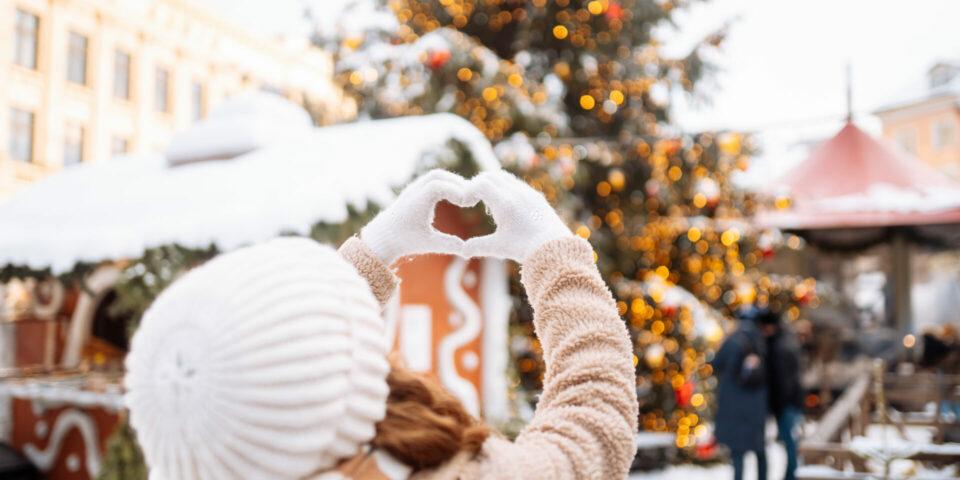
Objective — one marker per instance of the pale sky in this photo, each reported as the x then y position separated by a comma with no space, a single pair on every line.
785,60
782,65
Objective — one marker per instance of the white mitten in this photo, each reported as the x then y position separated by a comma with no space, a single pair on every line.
524,218
406,226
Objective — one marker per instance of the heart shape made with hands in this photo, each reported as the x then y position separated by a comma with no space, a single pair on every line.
464,196
522,217
463,222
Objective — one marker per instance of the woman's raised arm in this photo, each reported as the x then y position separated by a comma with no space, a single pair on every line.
586,420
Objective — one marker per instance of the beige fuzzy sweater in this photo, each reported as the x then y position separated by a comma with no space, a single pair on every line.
585,421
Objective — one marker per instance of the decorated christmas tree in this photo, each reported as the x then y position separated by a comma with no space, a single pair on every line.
576,95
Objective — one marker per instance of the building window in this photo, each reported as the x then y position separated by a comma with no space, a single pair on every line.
907,139
942,73
118,146
77,59
21,135
161,90
121,75
944,134
25,39
196,100
73,145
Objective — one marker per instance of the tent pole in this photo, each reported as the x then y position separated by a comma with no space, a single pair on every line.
903,304
8,359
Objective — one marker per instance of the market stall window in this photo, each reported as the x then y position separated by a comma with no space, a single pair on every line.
108,343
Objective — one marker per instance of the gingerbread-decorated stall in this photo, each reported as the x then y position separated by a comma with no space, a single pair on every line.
72,245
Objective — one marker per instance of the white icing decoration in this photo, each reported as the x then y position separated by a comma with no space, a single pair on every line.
470,361
416,337
73,462
96,286
460,387
496,302
69,419
470,279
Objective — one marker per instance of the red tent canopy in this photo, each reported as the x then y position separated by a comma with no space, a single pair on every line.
854,181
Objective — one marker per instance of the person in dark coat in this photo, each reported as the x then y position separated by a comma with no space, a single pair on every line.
786,392
742,403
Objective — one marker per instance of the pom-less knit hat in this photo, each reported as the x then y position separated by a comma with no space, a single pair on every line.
266,362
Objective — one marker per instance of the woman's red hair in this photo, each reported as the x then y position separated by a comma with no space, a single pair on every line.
425,425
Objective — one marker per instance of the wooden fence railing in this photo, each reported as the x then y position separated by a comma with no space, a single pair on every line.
858,407
914,392
847,418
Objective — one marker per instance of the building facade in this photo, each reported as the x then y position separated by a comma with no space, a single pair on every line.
925,120
86,80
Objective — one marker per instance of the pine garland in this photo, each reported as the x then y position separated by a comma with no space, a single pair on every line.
123,459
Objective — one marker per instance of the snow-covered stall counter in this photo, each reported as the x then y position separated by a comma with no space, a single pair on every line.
78,244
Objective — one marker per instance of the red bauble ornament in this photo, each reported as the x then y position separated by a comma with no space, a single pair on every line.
684,393
438,58
671,302
652,189
614,11
707,450
534,160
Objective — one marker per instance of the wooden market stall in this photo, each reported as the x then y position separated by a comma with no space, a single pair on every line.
854,192
851,195
254,169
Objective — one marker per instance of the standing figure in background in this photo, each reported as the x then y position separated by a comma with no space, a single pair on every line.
742,404
941,354
786,393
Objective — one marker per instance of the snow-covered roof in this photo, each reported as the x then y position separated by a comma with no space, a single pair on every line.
118,208
925,88
854,180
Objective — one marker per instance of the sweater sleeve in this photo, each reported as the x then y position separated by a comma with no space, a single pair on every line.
382,281
586,419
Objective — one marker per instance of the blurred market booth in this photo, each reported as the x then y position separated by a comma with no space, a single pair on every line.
885,229
83,252
884,232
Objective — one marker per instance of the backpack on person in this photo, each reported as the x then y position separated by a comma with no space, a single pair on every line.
753,368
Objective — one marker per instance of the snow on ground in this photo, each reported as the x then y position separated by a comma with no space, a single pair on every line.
776,465
777,459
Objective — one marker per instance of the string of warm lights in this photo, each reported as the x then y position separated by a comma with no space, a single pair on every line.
585,85
674,240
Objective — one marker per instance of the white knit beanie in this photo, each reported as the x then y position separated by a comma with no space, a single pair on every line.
266,362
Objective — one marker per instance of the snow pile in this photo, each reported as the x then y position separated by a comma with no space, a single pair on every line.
517,150
776,464
379,59
402,75
646,440
241,124
920,89
883,449
707,322
113,210
881,197
349,18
